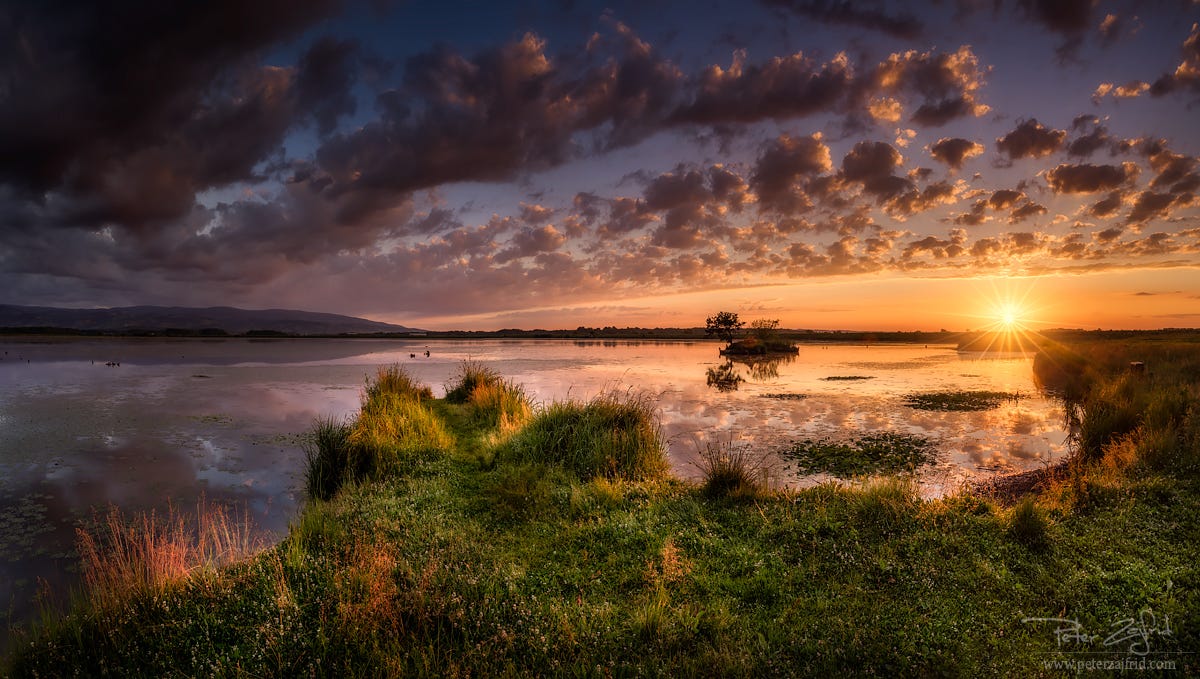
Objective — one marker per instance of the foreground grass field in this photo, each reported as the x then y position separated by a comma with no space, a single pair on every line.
478,536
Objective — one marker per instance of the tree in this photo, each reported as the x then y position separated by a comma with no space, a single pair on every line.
766,331
724,325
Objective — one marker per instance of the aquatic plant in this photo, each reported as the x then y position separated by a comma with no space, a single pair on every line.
959,400
886,452
847,378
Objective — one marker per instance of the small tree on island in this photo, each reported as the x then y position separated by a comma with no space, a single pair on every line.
724,325
765,330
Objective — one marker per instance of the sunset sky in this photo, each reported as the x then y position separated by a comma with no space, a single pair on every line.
832,164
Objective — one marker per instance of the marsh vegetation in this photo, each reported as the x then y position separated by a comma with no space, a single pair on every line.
562,546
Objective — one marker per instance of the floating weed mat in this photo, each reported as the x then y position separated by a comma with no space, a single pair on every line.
785,397
847,378
960,400
881,452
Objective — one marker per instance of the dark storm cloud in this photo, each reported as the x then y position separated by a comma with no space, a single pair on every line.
857,14
326,74
1087,178
504,111
1030,139
954,151
125,110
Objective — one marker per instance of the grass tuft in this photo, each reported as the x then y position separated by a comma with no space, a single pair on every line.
492,401
1029,526
615,435
326,457
732,471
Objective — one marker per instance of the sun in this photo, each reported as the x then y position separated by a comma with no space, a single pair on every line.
1010,316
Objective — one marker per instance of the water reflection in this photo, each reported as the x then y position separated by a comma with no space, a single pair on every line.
723,377
727,377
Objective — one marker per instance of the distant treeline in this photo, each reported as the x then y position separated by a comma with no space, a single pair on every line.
962,339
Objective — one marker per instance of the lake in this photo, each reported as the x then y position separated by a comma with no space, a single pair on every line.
180,419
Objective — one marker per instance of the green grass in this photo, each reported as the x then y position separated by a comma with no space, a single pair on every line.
614,434
547,563
880,452
491,401
959,400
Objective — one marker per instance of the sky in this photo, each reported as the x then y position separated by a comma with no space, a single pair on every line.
827,163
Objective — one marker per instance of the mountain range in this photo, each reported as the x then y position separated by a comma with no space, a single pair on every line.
209,320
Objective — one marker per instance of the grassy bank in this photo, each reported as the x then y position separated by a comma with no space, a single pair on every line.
477,535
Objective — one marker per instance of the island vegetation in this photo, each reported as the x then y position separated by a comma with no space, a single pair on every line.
480,534
763,340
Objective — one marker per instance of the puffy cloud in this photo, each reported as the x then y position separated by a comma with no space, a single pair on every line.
1186,75
844,13
782,170
954,151
1108,206
947,83
1087,178
783,87
1030,139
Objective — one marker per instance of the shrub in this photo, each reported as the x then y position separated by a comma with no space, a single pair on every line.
613,435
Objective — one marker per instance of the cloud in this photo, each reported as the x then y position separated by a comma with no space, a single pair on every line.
1030,139
947,83
954,151
1087,178
128,130
1069,18
782,87
782,170
1185,77
844,13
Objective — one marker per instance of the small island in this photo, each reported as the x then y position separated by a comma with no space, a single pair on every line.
763,338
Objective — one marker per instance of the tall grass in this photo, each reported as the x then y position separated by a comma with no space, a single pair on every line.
616,435
326,456
122,559
394,429
1153,412
393,379
731,470
493,402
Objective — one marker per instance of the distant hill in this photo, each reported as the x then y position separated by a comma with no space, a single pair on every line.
187,320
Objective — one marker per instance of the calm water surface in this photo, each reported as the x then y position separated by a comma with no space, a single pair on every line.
183,418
